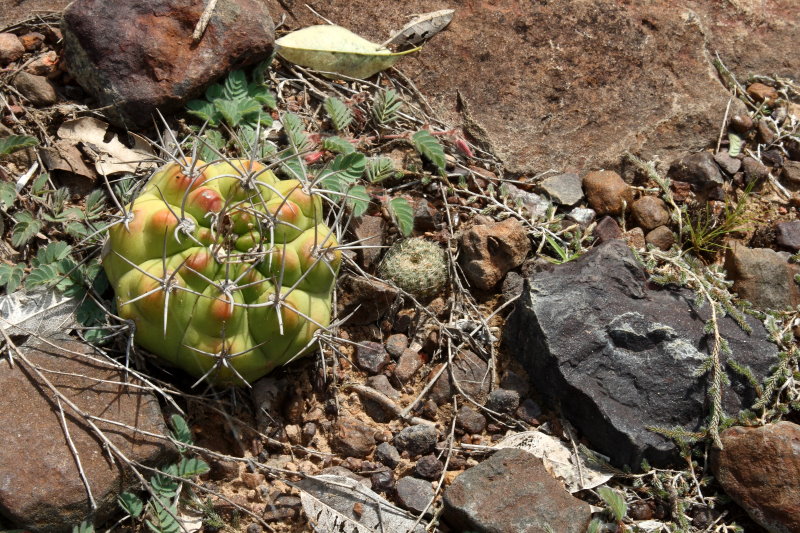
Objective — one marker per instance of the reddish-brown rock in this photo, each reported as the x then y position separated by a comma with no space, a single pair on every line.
11,48
40,485
762,93
353,438
512,491
607,192
661,237
489,251
575,83
650,212
759,468
138,55
763,276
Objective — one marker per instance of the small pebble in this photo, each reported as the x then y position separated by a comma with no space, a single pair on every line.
470,420
382,480
503,401
371,357
11,48
416,440
413,493
395,344
387,454
429,467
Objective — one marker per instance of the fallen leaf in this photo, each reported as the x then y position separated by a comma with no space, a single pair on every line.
64,155
421,28
40,313
112,154
330,48
558,459
337,503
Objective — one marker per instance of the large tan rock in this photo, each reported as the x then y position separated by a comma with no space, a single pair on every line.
578,82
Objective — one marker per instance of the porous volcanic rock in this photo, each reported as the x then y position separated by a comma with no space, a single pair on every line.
759,468
512,491
620,355
40,484
576,83
137,56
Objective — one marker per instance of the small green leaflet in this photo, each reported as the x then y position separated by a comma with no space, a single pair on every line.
379,168
12,143
26,227
191,466
427,145
8,194
235,86
331,48
338,145
386,106
11,276
205,111
163,485
615,502
735,144
293,126
163,514
403,215
341,116
343,171
83,527
358,200
130,503
180,429
210,145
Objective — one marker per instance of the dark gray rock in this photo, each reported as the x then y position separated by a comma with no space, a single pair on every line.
414,494
382,480
729,164
371,357
564,189
512,286
529,412
699,169
387,454
469,371
417,440
37,89
364,300
512,491
513,381
788,235
369,231
582,216
470,420
429,467
381,384
395,344
503,401
137,56
620,356
607,229
754,170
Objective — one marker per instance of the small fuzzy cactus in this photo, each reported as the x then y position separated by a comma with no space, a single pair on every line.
417,266
226,271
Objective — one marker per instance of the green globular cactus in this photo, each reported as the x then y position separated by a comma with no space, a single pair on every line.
417,266
226,271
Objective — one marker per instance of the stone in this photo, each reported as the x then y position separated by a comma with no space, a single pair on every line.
563,189
40,485
371,357
635,238
662,238
369,231
44,65
413,493
582,216
396,344
381,384
762,93
470,420
503,401
429,467
607,192
534,204
515,382
408,364
11,48
352,438
773,158
512,491
37,89
268,394
512,286
741,122
606,230
529,412
754,170
419,439
584,82
788,235
763,276
222,470
488,252
364,300
471,374
759,468
619,354
764,132
650,212
382,480
791,174
31,41
151,62
426,217
387,454
699,169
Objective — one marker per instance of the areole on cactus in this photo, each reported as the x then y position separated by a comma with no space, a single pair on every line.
226,271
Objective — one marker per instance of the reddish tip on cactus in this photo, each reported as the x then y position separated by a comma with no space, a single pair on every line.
226,271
